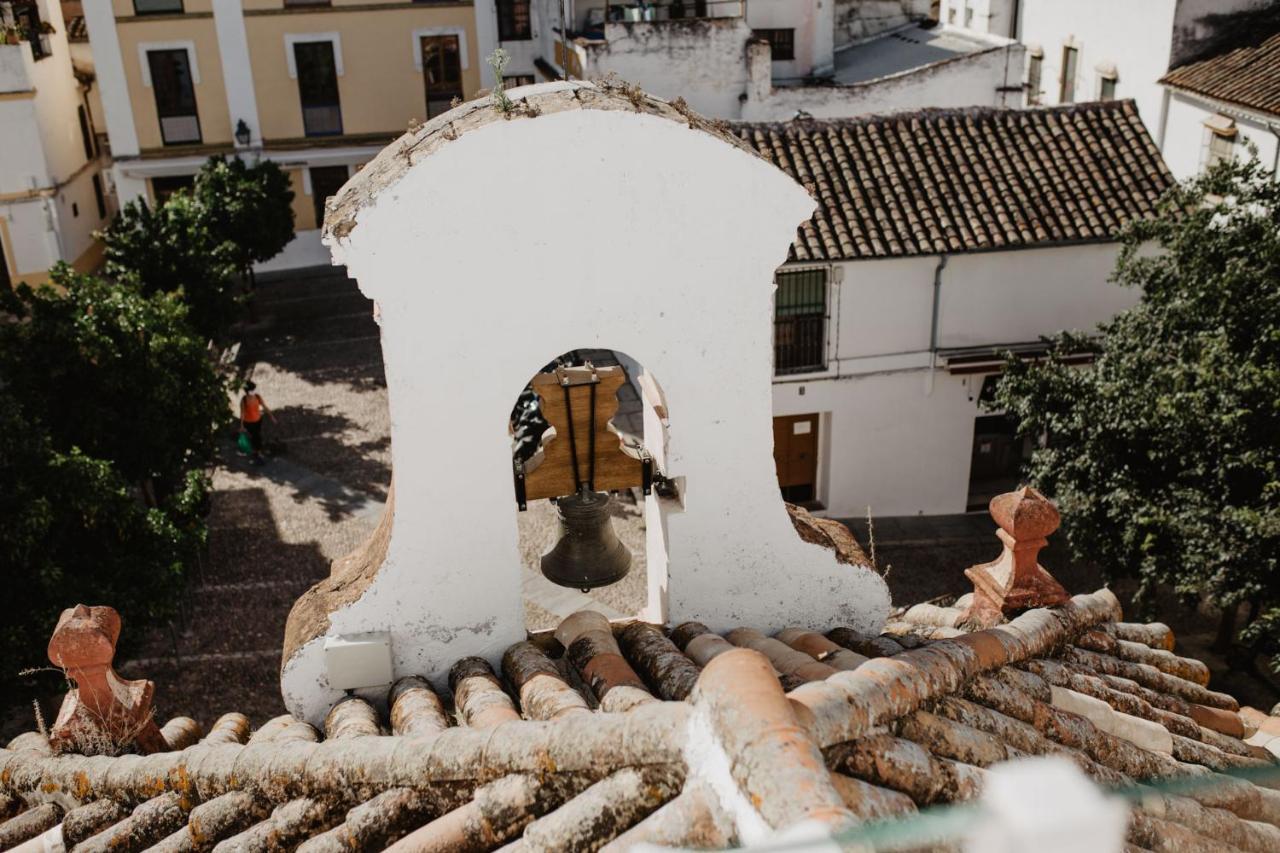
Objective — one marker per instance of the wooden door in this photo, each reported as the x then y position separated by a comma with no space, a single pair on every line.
795,452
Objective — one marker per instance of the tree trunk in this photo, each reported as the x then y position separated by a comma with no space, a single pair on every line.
1226,629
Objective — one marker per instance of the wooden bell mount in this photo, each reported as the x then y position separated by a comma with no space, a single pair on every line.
585,451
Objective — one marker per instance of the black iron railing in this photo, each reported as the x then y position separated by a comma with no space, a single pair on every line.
800,322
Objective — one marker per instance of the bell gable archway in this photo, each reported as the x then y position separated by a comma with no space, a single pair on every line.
590,216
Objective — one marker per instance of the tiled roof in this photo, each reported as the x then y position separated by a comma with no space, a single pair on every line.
1245,71
593,735
936,181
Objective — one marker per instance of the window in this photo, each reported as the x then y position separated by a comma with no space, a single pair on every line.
441,72
1220,143
968,16
157,7
86,134
1106,88
175,95
800,322
325,182
1067,92
513,80
318,88
1034,67
783,43
513,20
162,188
26,17
5,280
99,196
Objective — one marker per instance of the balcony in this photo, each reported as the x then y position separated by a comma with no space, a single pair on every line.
20,22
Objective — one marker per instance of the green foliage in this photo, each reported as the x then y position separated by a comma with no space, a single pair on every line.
1165,456
115,373
248,209
72,530
195,244
174,249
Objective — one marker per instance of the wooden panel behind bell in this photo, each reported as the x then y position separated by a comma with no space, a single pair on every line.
549,474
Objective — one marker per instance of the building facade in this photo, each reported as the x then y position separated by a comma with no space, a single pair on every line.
318,87
1095,50
1226,104
943,240
53,196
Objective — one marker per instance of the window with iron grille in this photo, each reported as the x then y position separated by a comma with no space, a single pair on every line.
1222,146
318,88
175,96
800,322
1034,67
782,43
513,80
325,182
513,20
1106,88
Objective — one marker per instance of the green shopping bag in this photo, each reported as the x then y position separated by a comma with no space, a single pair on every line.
243,442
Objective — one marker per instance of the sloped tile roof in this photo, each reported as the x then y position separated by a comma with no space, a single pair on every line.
1245,71
935,181
588,737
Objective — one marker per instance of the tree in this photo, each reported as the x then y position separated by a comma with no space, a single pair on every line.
248,208
1165,455
115,373
72,530
174,249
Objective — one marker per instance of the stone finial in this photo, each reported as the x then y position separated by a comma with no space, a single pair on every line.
1015,581
103,713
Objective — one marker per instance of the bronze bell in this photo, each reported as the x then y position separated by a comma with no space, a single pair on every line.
589,553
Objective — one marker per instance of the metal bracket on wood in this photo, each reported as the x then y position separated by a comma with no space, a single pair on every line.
517,473
646,471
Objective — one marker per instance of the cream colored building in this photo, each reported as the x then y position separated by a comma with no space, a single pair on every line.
52,191
319,87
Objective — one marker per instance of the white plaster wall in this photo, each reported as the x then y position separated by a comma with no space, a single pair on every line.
237,70
687,294
33,244
23,166
814,25
995,17
57,96
1186,138
899,440
893,444
1008,297
856,20
972,80
702,61
108,66
77,212
1135,37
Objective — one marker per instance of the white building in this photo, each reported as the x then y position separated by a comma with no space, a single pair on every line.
52,191
1218,106
764,61
1089,50
943,239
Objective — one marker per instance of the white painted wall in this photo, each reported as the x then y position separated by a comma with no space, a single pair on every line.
900,434
237,70
814,25
687,295
108,65
702,61
972,80
856,20
1186,139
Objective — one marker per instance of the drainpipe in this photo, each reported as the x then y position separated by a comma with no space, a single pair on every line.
933,324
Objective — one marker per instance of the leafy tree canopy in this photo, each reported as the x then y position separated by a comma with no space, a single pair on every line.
115,373
72,530
1165,455
248,207
174,249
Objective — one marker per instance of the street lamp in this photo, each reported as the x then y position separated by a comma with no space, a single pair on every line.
242,133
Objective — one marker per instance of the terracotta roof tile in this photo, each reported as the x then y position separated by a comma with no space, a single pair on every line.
960,181
1244,69
875,726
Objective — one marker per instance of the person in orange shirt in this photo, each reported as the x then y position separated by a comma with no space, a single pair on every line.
252,408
